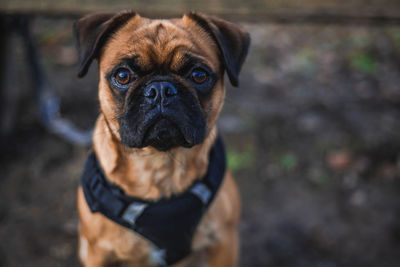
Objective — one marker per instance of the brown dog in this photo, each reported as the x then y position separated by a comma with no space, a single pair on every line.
161,90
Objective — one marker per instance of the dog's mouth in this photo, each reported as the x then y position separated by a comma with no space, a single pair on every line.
177,123
164,134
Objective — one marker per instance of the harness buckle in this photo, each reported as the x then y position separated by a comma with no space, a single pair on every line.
133,211
201,191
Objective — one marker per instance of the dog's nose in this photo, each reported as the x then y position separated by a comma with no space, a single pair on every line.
157,92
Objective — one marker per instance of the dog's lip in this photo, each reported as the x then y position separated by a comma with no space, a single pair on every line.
158,118
189,138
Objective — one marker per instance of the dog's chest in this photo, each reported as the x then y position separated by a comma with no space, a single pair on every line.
205,237
142,252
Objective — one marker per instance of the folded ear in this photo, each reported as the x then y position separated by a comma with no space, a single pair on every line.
91,33
233,42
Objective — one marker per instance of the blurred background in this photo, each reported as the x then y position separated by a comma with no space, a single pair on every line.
312,133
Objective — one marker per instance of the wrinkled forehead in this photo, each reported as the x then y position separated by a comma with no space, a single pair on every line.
160,43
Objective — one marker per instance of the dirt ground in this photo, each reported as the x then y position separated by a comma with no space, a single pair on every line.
312,135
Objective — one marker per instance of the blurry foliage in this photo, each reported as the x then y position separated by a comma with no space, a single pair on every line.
239,160
394,34
363,62
319,177
289,161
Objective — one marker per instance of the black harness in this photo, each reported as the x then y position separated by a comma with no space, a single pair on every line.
169,223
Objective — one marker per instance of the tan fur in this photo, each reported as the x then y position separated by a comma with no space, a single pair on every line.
148,173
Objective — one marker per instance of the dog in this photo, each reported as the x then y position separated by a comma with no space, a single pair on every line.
144,199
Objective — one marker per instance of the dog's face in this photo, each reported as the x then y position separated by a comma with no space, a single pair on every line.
161,81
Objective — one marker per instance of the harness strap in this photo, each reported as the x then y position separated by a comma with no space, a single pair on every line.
169,223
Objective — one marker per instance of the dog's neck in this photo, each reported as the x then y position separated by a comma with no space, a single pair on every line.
147,173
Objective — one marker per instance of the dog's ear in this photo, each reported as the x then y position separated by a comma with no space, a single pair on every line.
91,33
233,42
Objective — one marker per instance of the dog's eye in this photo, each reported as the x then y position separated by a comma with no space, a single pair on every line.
199,76
123,76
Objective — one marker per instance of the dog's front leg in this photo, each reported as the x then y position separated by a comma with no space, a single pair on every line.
225,252
92,256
